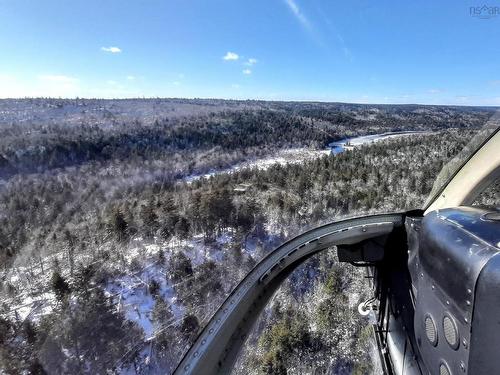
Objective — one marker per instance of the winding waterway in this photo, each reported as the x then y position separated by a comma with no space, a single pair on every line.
349,143
300,155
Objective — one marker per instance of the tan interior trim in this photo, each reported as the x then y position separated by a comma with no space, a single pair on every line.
482,169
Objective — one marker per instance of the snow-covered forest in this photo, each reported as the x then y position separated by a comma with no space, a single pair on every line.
113,257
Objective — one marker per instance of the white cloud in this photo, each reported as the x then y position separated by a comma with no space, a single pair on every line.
297,13
435,91
251,61
247,71
111,49
176,83
130,78
231,56
111,82
235,86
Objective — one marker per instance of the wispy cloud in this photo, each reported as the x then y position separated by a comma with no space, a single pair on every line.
130,78
247,71
435,91
176,83
231,56
306,24
298,13
251,61
111,49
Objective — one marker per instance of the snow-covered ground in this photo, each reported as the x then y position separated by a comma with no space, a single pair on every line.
289,156
301,155
349,143
132,296
129,290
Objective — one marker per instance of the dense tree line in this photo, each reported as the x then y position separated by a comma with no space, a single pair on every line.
35,148
66,227
74,213
74,136
82,334
317,331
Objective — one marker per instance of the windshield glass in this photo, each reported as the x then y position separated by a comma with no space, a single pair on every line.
459,159
152,154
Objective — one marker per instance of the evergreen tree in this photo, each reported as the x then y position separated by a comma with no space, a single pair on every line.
60,286
118,225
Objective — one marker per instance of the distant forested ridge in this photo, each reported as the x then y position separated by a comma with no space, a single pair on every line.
41,134
101,232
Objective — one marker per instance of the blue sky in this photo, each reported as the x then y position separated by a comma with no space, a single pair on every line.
369,51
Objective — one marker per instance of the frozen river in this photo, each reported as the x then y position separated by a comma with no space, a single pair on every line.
349,143
301,155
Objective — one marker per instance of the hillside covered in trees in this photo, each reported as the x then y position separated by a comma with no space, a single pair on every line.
112,260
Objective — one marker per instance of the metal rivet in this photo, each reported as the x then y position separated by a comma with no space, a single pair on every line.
468,303
433,287
462,366
469,291
464,343
211,330
203,342
186,367
195,354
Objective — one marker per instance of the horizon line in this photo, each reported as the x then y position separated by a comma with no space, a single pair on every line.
249,100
